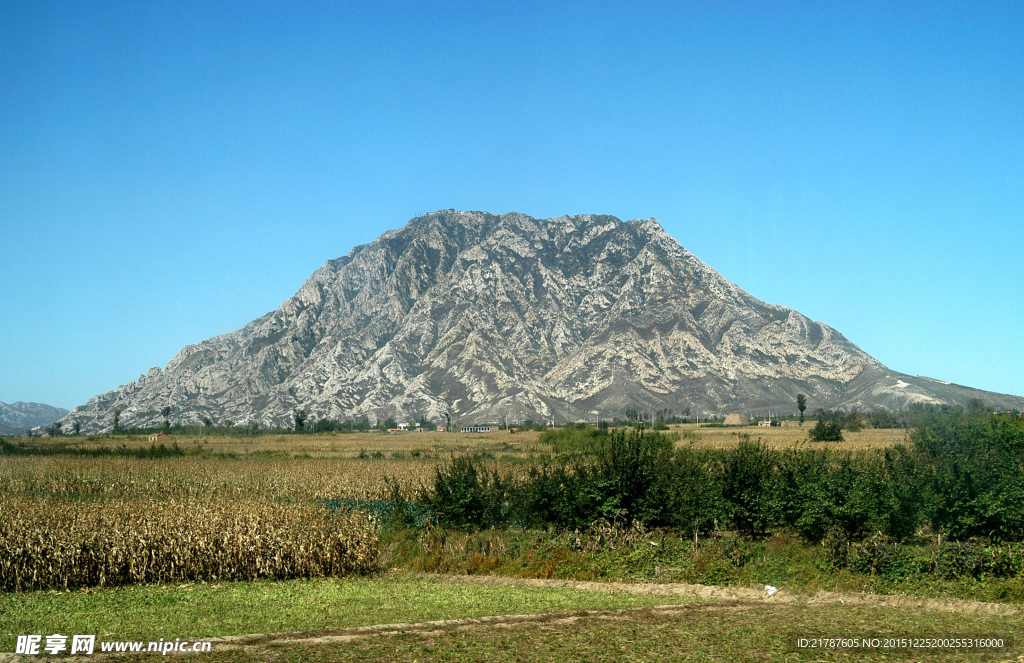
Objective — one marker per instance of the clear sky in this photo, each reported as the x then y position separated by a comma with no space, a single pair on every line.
170,171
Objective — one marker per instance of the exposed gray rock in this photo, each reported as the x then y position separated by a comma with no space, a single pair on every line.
485,316
15,418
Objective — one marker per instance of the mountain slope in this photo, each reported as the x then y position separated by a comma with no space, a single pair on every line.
15,418
484,315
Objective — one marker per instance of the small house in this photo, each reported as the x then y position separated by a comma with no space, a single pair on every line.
159,437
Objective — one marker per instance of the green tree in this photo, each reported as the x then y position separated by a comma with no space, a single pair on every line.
300,420
977,408
76,427
117,419
801,404
165,412
829,427
207,422
853,421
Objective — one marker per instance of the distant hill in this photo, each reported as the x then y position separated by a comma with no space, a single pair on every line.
17,417
482,316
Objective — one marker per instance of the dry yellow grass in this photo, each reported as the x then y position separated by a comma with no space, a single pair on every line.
47,543
336,445
198,477
782,437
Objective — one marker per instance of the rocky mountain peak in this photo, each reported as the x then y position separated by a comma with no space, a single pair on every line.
481,315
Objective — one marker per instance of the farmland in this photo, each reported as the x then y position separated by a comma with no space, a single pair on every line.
432,444
304,530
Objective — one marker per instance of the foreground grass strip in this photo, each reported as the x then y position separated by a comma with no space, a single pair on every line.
742,631
148,612
734,593
615,554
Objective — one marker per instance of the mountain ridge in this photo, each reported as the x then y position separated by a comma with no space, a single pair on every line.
482,315
16,417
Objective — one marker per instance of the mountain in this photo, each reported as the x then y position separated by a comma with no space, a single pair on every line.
484,316
17,417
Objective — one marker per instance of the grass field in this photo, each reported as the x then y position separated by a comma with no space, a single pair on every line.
716,632
238,472
532,623
330,445
328,465
201,610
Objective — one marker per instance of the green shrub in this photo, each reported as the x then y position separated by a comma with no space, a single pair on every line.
883,557
829,427
466,496
972,474
748,488
581,439
962,478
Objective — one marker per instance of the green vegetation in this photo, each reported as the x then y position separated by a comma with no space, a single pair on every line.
57,449
959,478
938,516
729,632
829,427
205,610
610,552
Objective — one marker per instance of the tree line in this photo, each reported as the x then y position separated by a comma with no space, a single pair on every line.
960,476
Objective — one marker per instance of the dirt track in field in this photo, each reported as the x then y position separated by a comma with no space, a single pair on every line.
722,593
437,628
705,598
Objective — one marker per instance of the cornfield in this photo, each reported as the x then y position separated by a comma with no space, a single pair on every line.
52,543
71,521
207,478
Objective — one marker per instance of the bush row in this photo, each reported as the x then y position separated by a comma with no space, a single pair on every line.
962,476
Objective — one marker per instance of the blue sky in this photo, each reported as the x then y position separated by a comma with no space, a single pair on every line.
170,171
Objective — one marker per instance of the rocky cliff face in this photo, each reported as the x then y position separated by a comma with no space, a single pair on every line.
484,316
